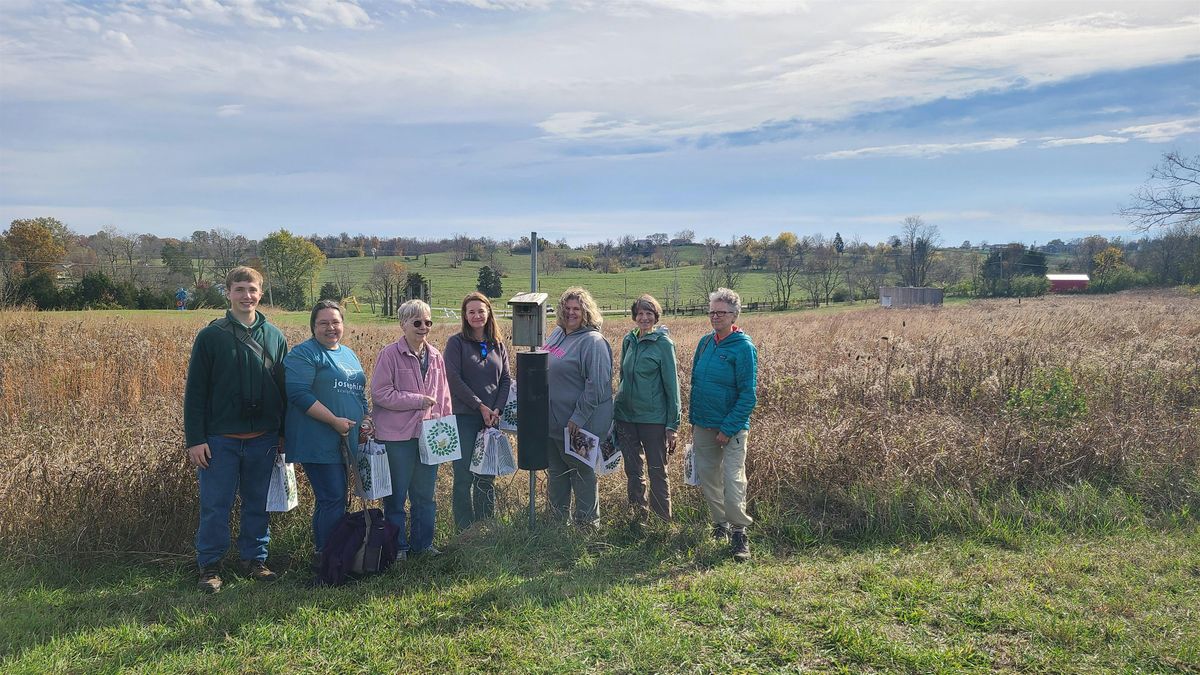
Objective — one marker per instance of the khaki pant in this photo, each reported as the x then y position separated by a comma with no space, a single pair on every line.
650,440
722,471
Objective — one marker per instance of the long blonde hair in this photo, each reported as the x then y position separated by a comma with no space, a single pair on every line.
592,318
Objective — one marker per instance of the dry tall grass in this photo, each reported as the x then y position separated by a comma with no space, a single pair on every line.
875,401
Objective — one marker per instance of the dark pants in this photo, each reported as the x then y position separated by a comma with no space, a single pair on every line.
328,483
566,475
474,494
642,446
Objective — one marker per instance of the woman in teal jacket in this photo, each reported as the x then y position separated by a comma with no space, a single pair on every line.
724,381
647,408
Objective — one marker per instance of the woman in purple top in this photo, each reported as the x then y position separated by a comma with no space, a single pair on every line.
408,386
477,370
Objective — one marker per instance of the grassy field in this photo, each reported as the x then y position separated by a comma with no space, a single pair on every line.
991,485
662,600
613,291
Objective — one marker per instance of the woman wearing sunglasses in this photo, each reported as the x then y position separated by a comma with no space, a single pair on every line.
724,383
477,369
408,386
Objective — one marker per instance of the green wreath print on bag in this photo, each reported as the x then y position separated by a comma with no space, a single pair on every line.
441,439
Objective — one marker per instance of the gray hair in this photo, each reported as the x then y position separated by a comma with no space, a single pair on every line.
729,297
412,309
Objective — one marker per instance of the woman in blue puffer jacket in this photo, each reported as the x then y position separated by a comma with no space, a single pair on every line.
724,381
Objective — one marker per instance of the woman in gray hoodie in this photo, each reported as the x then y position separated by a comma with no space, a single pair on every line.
580,378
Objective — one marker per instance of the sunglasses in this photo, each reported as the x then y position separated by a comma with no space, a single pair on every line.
418,323
483,350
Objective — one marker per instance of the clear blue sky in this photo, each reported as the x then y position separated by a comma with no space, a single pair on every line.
587,119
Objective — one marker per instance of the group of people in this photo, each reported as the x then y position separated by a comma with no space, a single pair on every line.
246,393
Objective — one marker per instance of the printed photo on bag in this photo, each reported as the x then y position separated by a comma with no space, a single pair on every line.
609,459
583,445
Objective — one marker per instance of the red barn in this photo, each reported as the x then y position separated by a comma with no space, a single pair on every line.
1067,283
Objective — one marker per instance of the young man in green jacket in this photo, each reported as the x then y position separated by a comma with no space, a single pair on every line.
233,409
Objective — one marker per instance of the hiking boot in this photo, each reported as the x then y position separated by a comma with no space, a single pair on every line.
740,546
210,579
257,570
720,532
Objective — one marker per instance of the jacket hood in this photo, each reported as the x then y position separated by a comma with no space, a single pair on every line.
583,330
658,332
733,338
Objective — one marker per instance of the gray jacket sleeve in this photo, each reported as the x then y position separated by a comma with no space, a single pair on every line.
596,363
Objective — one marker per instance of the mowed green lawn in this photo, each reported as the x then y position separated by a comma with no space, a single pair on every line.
661,600
613,291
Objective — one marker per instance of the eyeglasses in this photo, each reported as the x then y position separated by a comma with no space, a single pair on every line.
717,315
418,323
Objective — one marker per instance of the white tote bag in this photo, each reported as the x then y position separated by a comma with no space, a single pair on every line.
374,473
508,414
479,463
282,494
506,461
690,475
608,459
439,441
493,454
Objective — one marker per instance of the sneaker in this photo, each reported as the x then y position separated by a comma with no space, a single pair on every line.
431,552
740,546
257,570
210,580
720,532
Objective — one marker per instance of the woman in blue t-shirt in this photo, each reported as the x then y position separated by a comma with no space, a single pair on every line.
326,388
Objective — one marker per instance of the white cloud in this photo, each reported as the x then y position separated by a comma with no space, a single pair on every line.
231,110
1163,132
585,124
119,39
85,23
329,12
924,150
1098,139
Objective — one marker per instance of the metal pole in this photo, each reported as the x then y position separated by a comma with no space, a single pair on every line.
533,287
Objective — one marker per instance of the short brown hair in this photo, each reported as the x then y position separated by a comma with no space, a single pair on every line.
647,302
243,273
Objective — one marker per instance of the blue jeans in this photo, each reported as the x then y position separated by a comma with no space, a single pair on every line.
474,494
415,482
328,483
237,465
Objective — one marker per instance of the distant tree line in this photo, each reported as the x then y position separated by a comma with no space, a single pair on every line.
45,264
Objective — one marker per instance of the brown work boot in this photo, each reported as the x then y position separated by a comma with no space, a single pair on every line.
740,546
257,570
210,580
